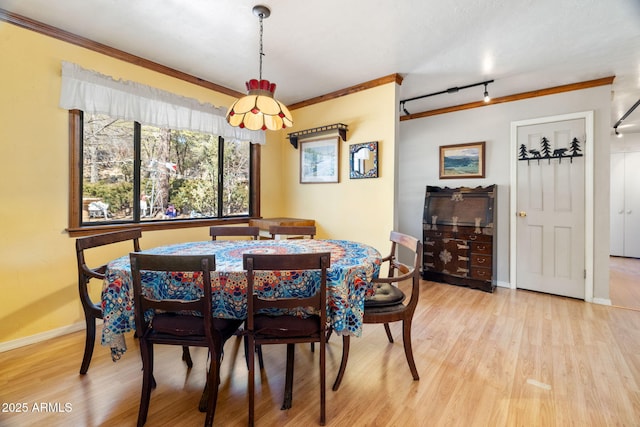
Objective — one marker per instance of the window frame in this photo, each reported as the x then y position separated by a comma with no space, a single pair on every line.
77,228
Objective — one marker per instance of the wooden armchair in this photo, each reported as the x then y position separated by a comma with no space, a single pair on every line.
388,304
86,274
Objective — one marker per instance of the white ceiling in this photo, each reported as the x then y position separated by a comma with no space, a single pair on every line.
314,47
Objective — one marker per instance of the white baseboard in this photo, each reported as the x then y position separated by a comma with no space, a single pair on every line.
43,336
602,301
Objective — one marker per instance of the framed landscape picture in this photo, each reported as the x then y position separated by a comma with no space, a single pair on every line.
319,160
462,160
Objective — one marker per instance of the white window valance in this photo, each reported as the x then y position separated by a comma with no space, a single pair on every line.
93,92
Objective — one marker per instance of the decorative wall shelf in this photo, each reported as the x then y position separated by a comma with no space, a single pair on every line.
341,128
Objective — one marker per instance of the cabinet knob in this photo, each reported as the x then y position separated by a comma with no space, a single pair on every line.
522,214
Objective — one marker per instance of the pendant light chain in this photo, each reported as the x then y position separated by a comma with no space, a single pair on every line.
259,109
261,52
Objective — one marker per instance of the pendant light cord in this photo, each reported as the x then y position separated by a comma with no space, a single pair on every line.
261,51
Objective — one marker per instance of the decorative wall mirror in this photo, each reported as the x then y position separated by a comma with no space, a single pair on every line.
363,160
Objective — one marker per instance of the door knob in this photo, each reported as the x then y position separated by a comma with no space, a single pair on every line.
522,214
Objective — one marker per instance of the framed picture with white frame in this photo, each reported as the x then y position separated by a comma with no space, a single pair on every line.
320,160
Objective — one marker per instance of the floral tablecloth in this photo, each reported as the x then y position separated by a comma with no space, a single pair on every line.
353,265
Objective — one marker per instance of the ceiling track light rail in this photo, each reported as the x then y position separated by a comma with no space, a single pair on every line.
450,90
624,116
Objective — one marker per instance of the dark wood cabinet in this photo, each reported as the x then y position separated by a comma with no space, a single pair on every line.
459,245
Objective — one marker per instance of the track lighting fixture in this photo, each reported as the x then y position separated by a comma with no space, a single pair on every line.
624,116
450,90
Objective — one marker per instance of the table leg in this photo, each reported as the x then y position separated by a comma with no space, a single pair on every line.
288,382
202,406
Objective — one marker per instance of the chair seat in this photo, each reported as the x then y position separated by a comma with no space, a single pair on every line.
178,325
286,326
386,295
175,324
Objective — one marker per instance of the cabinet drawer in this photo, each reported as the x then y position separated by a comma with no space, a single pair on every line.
480,273
480,260
474,237
437,234
480,248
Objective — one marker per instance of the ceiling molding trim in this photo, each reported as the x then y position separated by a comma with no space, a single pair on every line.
48,30
397,78
511,98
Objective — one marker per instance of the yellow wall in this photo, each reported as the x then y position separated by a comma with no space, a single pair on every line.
353,209
38,273
37,257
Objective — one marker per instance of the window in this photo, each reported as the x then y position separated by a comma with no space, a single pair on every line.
129,173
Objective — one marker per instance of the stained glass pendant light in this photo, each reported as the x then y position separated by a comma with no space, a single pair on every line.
259,109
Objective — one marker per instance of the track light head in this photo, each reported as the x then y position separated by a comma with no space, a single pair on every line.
487,98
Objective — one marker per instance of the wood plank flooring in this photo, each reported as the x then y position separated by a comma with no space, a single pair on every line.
624,282
511,358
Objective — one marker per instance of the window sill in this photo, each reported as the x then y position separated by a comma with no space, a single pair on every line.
155,225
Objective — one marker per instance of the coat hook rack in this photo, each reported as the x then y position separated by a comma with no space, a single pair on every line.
340,127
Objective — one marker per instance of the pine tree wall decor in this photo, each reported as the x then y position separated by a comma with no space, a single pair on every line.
547,152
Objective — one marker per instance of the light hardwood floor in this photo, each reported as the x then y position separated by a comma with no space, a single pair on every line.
624,282
511,358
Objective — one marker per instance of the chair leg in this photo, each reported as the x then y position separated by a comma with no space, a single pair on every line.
260,359
258,349
388,331
204,399
408,351
186,356
323,382
288,381
146,351
89,343
343,363
250,344
213,380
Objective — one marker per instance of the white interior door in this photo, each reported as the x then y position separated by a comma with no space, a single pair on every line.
550,207
632,204
625,204
617,210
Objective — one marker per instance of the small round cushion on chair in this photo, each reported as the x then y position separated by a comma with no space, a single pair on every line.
386,295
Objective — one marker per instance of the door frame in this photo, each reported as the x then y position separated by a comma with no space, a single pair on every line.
588,196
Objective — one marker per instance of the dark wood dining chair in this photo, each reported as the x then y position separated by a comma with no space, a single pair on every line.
86,274
216,231
388,303
292,231
178,321
233,231
262,328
